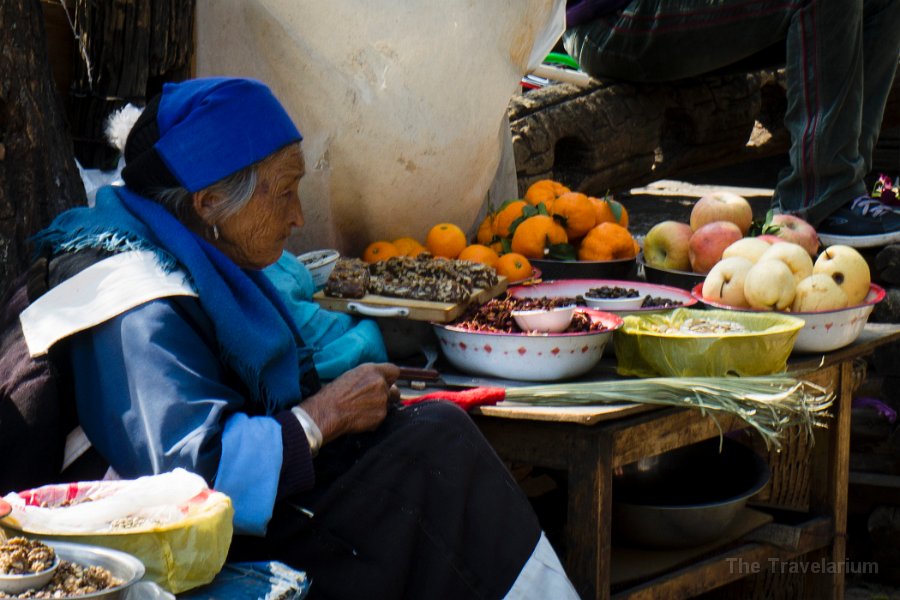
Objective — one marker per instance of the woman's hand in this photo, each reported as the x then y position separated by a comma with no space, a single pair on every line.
354,402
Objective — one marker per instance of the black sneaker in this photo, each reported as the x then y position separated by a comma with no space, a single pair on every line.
864,223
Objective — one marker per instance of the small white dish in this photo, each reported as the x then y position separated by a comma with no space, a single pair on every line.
320,264
544,320
16,584
615,304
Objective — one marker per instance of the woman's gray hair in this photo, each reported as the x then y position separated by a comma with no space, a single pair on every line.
235,191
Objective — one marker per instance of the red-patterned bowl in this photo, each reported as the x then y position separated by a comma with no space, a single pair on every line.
824,330
527,357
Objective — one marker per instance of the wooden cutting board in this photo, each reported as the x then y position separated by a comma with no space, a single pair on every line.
373,305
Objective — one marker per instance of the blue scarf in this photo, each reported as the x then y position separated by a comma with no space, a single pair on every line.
256,334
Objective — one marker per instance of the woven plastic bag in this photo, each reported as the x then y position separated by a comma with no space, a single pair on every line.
402,104
172,522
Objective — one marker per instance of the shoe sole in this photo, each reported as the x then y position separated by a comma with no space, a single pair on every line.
860,241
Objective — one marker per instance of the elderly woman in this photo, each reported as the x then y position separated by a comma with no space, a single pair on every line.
188,357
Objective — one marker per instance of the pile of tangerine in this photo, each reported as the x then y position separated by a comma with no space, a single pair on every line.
549,215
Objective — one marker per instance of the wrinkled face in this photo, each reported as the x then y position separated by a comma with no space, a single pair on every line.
255,237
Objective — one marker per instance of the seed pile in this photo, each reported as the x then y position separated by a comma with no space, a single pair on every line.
608,291
703,326
422,277
22,556
658,302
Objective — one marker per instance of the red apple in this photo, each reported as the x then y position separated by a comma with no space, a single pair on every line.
722,206
666,246
709,242
794,229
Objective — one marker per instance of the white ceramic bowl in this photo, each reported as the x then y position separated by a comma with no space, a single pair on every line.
320,264
570,288
825,330
615,304
544,320
527,357
16,584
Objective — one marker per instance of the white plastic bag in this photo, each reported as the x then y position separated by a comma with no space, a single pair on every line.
179,528
94,179
95,506
401,103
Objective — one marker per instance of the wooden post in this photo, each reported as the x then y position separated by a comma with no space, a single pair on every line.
132,49
38,176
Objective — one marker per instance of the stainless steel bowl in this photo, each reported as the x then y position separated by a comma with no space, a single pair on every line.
122,566
686,497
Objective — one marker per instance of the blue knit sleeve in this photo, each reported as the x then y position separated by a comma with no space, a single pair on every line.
152,395
339,341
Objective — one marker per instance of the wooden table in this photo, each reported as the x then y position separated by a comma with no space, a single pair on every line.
588,443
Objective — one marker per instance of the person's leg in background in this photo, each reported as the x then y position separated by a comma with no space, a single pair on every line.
881,55
838,81
665,40
833,121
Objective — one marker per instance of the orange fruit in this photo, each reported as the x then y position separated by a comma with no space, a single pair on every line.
408,246
514,267
479,253
602,211
485,230
610,211
607,241
380,250
620,212
446,240
535,234
545,191
578,212
506,215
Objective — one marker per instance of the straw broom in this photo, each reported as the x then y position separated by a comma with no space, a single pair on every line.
769,404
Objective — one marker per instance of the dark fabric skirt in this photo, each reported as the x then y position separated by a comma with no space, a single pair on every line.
420,508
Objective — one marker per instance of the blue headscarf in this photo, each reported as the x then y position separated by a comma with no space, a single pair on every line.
236,124
200,131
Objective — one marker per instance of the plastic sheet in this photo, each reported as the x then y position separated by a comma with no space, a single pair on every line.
642,350
239,581
402,104
176,525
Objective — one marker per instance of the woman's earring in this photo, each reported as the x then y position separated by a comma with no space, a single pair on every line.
215,231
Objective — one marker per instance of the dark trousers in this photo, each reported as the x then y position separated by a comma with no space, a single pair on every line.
420,508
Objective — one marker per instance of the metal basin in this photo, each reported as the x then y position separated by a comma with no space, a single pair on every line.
686,497
122,566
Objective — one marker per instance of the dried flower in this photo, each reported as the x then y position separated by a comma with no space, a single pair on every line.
886,190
